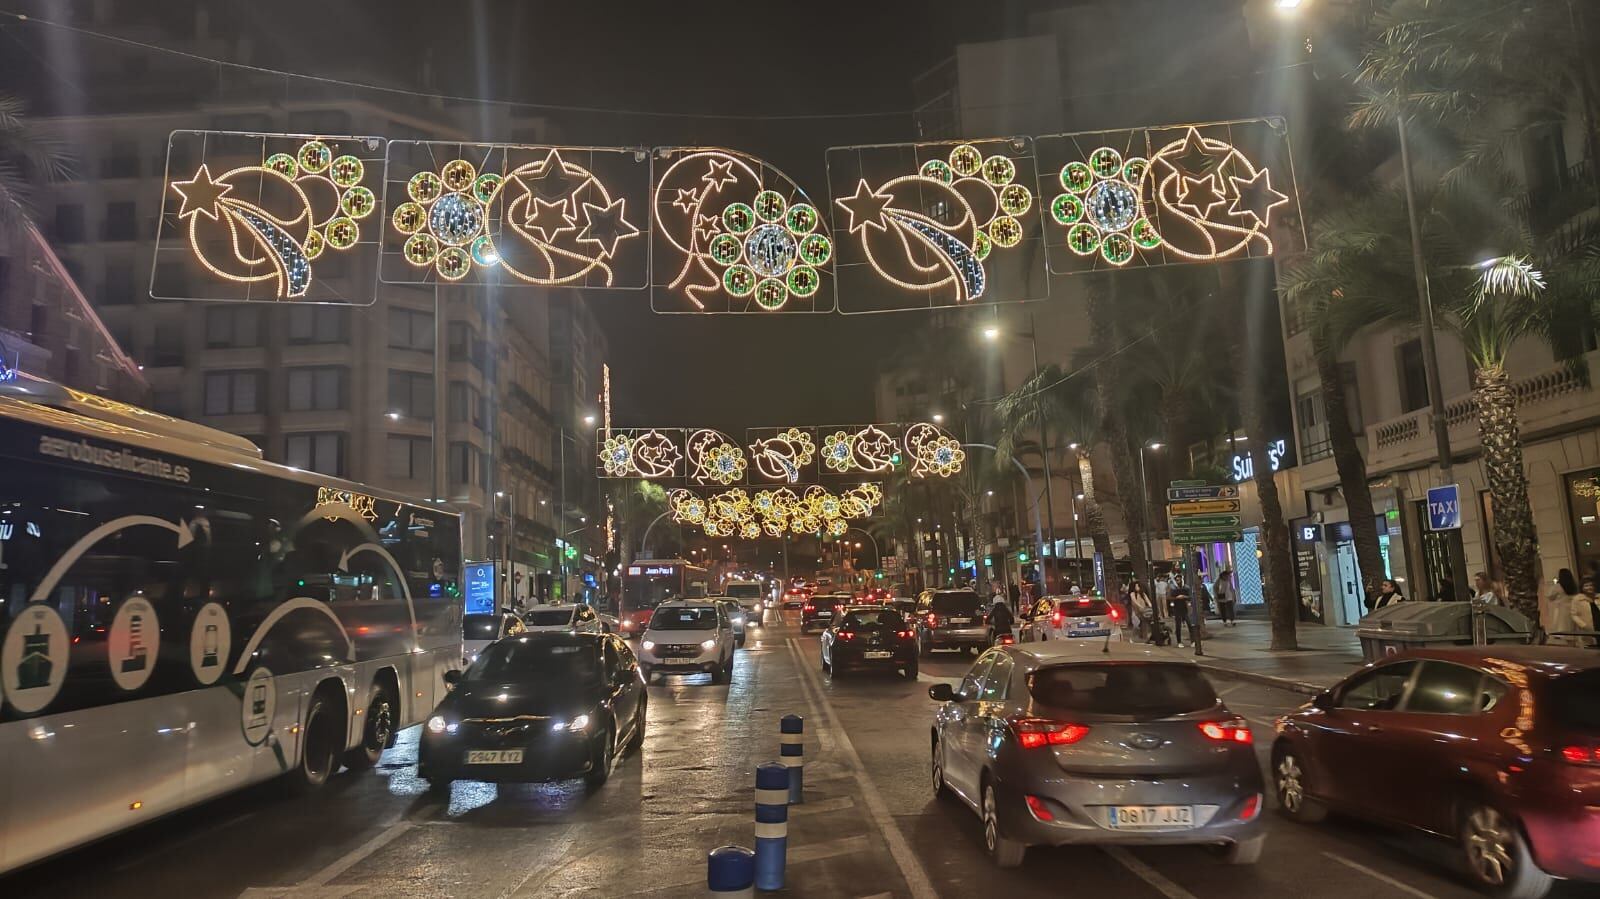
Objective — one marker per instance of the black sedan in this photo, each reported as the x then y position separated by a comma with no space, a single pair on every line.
537,707
869,637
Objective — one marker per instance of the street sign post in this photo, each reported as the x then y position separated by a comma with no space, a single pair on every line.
1200,513
1219,491
1203,507
1444,508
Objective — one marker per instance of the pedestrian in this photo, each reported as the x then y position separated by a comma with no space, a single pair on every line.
1557,614
1016,595
1000,620
1163,587
1388,594
1225,597
1178,601
1486,587
1142,609
1586,610
1447,591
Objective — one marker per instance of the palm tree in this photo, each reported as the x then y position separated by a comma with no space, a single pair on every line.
27,156
636,504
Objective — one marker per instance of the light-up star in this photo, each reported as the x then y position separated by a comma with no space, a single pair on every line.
1196,157
865,208
1199,195
1256,198
553,180
548,218
719,174
687,199
707,226
606,227
202,195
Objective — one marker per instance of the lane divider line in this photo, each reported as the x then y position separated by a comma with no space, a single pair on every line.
905,859
1379,875
1146,873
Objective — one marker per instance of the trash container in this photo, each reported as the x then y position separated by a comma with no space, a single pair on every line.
1413,625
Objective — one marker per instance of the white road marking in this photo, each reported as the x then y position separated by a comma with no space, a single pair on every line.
905,859
1379,875
545,861
1146,873
340,865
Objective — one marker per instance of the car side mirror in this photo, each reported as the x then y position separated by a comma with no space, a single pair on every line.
451,678
1323,700
942,693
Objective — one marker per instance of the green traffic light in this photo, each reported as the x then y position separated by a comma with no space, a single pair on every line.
1022,557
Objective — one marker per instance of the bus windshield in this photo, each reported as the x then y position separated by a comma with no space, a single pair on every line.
744,591
647,593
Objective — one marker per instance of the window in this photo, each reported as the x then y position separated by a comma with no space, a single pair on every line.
319,389
466,403
1313,425
1378,690
1123,688
410,458
118,289
319,324
1584,510
232,393
122,221
1413,376
69,223
411,394
970,683
1447,689
322,453
410,329
123,161
463,461
233,326
996,681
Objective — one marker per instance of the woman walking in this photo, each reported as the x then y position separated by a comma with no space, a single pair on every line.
1226,599
1556,613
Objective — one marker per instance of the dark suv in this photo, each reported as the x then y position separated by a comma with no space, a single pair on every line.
951,619
819,610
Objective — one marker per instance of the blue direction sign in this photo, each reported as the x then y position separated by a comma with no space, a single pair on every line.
1444,508
1218,491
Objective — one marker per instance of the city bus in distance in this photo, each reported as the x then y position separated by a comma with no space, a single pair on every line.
647,582
179,618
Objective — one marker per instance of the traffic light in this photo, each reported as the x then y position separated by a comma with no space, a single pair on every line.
1022,556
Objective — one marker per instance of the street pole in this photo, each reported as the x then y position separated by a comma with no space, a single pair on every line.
561,512
1038,528
785,562
1044,454
1144,499
1430,355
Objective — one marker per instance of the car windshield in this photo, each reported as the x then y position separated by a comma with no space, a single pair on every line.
961,602
1085,606
685,618
1575,701
535,660
1123,688
547,617
480,627
875,618
744,591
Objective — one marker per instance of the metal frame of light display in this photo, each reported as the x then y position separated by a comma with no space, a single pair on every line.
258,212
734,234
530,214
1168,195
933,225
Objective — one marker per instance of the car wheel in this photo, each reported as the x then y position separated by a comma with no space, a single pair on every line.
940,788
648,674
1289,778
1497,855
437,784
1006,853
601,750
910,671
727,671
1244,852
376,733
639,718
319,755
739,642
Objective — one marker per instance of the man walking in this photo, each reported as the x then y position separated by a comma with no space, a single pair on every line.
1178,600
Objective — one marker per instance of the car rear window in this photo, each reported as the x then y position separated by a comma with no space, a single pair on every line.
535,660
875,618
695,618
1123,688
480,627
744,591
1083,607
1575,701
547,618
955,603
829,601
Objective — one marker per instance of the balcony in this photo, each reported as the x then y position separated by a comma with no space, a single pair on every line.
1551,205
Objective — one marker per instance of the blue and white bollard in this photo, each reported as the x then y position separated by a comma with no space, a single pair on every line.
731,872
772,825
792,737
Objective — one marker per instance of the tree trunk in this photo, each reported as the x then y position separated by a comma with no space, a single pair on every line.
1514,536
1277,572
1352,468
1096,521
1125,467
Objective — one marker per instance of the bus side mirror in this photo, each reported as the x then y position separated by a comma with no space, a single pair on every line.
451,678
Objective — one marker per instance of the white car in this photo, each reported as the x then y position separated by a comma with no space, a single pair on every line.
1079,618
577,618
687,636
478,631
752,596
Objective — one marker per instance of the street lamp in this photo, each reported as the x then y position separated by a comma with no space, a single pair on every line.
938,417
394,416
992,333
1144,493
588,419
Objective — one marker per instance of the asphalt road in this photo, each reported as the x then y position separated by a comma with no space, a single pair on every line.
870,826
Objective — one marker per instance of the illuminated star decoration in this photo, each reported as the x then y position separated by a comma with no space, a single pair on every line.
1254,197
606,226
553,178
714,458
201,195
548,218
866,208
1197,156
1199,195
719,174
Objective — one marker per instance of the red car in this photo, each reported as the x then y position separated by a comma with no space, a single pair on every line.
1495,747
876,595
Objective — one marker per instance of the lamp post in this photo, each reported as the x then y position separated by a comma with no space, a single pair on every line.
1038,529
1144,498
992,333
561,516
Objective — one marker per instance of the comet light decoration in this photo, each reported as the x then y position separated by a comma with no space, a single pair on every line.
1195,197
528,212
733,234
773,513
869,449
933,452
784,457
641,454
714,458
268,223
931,231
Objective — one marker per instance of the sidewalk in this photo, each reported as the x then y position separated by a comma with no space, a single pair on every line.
1326,654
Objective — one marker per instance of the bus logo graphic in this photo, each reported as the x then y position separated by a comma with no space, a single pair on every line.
34,669
138,654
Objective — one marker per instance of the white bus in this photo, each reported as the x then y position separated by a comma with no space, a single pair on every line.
179,618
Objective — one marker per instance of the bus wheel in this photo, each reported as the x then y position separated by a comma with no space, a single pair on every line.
319,754
376,733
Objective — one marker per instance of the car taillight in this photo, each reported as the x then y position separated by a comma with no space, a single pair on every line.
1234,730
933,620
847,635
1007,639
627,624
1039,809
1581,755
1116,614
904,635
1035,732
809,608
1252,807
1055,619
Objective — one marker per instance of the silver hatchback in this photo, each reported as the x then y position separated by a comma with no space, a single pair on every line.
1059,743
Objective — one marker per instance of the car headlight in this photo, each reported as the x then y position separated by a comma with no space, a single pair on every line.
648,644
708,644
577,724
437,724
